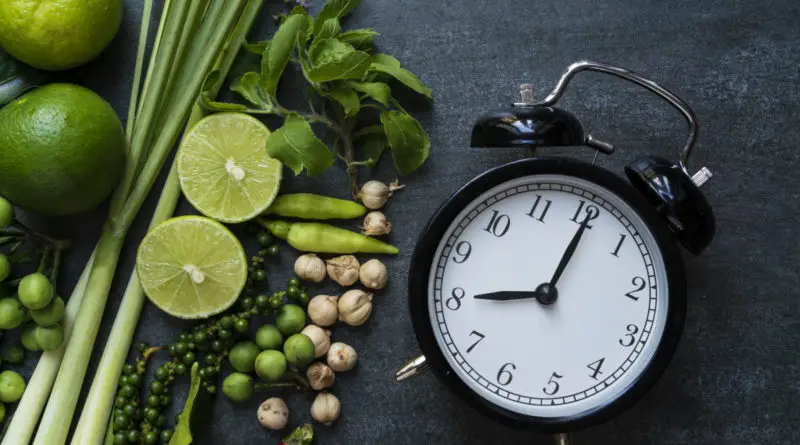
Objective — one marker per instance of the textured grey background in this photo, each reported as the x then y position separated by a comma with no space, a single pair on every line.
734,380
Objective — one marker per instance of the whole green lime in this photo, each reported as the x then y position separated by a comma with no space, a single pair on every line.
62,150
238,387
58,34
243,356
299,350
12,386
269,337
291,319
270,365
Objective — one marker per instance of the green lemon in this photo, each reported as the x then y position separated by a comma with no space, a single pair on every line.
224,169
50,314
58,34
291,319
243,356
49,337
5,267
12,386
269,337
238,387
12,313
35,291
270,365
28,338
63,150
299,350
6,213
191,267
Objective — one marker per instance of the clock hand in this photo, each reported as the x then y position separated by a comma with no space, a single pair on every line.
506,295
569,252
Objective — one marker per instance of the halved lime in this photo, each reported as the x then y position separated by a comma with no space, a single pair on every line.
191,267
224,169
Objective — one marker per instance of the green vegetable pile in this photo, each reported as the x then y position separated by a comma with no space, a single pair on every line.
275,336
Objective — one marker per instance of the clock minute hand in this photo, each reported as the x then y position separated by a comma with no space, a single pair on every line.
569,252
506,295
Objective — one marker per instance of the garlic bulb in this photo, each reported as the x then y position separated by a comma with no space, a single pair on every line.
273,414
376,224
344,269
326,408
373,274
310,267
323,310
321,376
374,194
342,357
355,306
320,337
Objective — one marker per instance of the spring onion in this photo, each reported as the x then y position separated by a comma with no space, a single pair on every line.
99,403
164,114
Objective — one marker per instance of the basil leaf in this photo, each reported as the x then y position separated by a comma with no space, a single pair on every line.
297,147
302,435
280,50
359,38
207,98
16,78
329,29
378,91
384,63
409,142
347,97
265,59
183,433
333,60
250,88
373,147
334,9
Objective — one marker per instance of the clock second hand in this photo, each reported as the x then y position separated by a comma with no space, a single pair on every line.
545,293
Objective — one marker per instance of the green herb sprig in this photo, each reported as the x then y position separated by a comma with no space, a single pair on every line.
351,81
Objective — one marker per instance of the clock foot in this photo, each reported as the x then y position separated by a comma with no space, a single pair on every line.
563,439
412,368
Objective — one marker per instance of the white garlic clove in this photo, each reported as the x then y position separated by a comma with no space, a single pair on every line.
326,408
320,337
323,310
374,194
376,224
373,274
343,269
355,307
342,357
320,376
310,267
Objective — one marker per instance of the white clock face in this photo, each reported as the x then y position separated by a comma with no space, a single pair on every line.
573,355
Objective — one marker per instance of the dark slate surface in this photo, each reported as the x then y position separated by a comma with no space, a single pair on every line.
734,380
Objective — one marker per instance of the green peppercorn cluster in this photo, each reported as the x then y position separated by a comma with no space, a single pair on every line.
138,415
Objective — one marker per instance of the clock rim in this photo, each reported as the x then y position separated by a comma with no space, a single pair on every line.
437,225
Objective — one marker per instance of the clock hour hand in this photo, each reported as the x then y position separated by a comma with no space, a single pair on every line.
506,295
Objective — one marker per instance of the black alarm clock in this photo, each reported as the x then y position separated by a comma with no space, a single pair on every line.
549,293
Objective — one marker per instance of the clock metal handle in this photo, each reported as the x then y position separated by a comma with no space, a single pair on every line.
675,101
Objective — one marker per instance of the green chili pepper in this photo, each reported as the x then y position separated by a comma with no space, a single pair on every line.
325,238
311,206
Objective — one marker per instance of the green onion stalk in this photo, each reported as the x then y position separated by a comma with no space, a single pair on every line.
99,403
21,427
156,130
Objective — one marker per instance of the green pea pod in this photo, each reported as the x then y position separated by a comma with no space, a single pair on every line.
311,206
325,238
